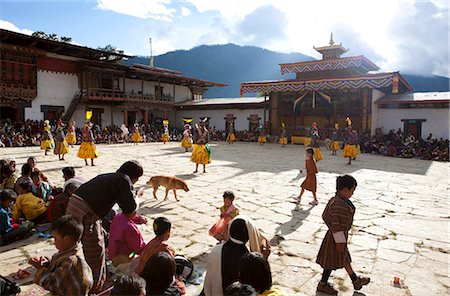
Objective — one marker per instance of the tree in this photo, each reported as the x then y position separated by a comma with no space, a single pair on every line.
40,34
65,39
109,48
52,37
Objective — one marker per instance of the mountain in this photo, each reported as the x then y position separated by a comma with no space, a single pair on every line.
232,64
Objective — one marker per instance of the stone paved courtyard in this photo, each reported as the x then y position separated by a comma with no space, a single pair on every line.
401,226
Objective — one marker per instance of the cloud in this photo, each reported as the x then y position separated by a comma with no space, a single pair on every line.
263,25
11,27
185,11
145,9
420,36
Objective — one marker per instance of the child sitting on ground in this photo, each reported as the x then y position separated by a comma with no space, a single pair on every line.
333,253
161,227
125,238
27,204
131,285
310,183
67,273
58,206
9,230
227,213
41,188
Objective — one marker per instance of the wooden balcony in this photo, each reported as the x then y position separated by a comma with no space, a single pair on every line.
17,91
108,95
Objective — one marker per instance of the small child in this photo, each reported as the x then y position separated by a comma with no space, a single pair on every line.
310,183
9,230
58,206
227,213
333,253
131,285
67,273
125,238
32,207
41,188
161,227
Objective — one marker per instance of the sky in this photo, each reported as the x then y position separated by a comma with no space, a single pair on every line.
407,35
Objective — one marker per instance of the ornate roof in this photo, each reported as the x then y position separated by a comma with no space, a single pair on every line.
379,80
325,65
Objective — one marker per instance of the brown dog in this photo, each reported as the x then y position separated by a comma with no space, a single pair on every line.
170,183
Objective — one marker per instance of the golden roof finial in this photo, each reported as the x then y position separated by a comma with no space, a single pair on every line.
331,39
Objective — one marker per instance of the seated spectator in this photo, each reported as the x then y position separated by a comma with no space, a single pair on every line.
26,176
27,204
58,205
32,162
161,227
129,285
7,179
67,273
125,238
159,273
9,230
69,176
254,270
238,289
222,268
41,188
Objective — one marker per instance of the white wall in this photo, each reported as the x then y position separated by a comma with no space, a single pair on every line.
217,117
437,120
55,89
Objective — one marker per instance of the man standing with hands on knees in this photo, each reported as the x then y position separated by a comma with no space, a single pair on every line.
92,201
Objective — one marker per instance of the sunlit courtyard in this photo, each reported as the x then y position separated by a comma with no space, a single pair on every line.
400,228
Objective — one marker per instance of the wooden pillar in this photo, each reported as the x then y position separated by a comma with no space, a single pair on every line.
145,116
142,86
125,117
173,92
123,84
274,124
365,100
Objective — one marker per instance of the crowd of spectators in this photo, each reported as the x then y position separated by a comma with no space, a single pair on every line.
28,133
395,144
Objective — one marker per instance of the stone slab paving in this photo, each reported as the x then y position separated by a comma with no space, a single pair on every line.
401,226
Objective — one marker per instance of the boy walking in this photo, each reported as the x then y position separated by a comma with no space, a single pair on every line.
67,273
333,253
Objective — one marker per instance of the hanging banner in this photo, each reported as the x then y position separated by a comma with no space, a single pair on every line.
298,101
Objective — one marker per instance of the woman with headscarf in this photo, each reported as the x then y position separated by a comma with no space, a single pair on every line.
223,260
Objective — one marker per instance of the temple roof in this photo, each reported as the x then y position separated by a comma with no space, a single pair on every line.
331,50
223,101
415,98
378,80
360,62
62,48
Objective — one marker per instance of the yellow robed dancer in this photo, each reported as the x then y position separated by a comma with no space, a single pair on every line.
186,142
136,136
262,139
314,134
231,137
349,142
283,138
165,136
71,137
201,154
47,142
334,144
61,146
87,147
